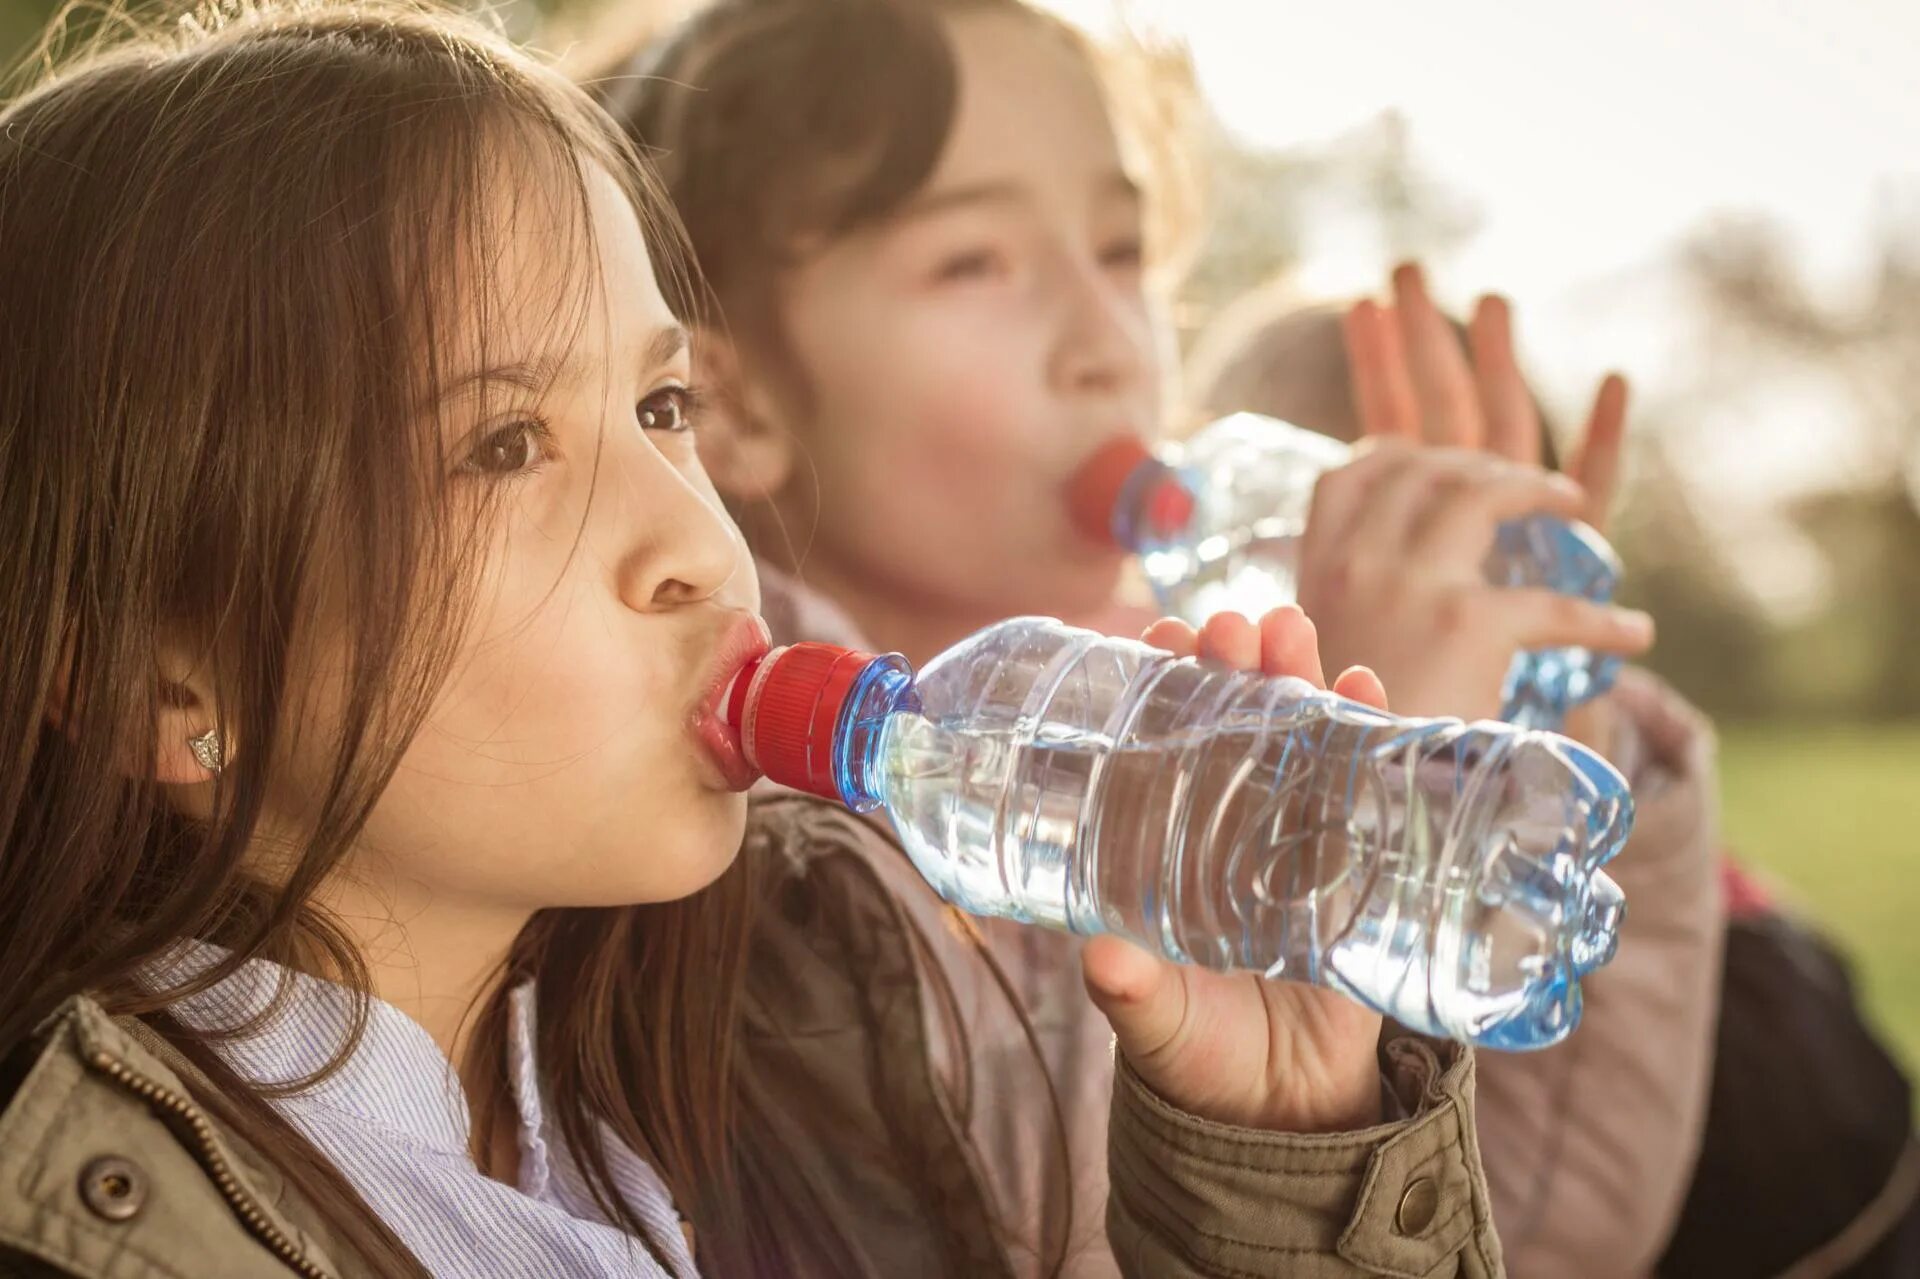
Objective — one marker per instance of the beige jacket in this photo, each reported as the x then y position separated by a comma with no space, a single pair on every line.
1589,1146
925,1117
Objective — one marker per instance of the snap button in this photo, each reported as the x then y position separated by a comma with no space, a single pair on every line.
1417,1206
113,1188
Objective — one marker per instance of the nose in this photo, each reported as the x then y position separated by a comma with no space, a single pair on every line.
677,545
1105,344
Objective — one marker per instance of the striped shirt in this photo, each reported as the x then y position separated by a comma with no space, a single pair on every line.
395,1121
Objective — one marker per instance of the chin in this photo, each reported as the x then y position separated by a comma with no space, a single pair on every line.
702,850
657,866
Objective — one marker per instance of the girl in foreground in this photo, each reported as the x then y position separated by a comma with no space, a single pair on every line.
372,896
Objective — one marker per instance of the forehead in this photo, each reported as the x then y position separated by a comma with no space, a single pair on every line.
566,247
1030,106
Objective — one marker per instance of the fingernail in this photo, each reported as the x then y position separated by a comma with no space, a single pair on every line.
1639,623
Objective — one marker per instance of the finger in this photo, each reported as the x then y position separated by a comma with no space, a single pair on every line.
1360,684
1231,640
1513,424
1382,390
1405,493
1342,496
1289,645
1144,998
1548,619
1449,402
1596,463
1461,523
1171,635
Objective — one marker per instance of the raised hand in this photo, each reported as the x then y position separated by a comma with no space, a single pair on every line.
1392,569
1413,379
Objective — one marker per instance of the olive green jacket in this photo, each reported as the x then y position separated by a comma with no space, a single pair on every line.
110,1170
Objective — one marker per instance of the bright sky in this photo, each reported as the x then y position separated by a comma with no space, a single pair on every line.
1590,138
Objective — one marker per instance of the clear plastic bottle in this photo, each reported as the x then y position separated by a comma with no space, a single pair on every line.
1217,520
1446,874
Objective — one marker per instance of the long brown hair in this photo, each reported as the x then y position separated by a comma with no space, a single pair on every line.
222,252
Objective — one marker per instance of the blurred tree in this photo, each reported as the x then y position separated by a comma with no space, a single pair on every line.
1714,642
1261,203
21,22
1857,657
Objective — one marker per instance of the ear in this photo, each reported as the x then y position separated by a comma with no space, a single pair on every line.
184,708
745,444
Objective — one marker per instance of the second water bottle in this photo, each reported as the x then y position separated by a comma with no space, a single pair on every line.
1217,521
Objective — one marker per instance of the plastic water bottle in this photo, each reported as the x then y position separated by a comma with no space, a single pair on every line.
1446,874
1217,522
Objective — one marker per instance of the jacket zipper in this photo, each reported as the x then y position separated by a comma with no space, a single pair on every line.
208,1153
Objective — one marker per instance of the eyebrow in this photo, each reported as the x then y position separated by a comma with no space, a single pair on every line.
1003,191
542,372
665,345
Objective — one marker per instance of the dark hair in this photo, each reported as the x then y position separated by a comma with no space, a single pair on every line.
222,252
779,125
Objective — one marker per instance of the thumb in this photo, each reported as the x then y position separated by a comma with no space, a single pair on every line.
1143,997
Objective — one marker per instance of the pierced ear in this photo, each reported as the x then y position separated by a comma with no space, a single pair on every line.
745,445
189,744
185,713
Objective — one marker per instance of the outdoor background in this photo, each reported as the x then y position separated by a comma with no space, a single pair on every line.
1724,202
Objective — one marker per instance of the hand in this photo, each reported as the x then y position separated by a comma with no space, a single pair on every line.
1235,1047
1392,567
1412,380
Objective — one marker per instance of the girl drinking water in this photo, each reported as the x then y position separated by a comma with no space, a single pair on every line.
935,256
373,893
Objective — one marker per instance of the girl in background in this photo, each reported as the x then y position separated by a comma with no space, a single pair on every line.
934,250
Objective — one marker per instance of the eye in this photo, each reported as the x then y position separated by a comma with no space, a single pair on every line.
974,264
1126,254
518,448
669,409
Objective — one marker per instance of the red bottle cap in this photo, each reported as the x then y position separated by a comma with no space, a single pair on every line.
1169,508
1097,487
786,708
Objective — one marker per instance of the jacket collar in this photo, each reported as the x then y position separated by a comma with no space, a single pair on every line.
112,1083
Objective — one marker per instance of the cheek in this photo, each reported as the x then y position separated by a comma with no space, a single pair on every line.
967,436
549,673
942,415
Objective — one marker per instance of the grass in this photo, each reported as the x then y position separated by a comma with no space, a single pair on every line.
1832,812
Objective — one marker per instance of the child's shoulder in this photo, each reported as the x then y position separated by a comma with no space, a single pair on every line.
109,1162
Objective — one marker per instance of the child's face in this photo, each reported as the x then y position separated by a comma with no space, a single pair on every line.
570,760
965,356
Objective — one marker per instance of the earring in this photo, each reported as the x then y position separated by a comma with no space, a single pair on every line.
206,749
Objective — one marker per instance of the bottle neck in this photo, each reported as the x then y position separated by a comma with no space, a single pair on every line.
883,689
1155,505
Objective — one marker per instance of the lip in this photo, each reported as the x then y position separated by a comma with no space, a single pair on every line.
746,640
